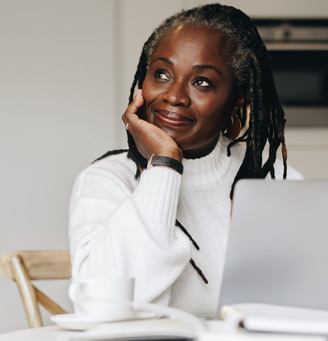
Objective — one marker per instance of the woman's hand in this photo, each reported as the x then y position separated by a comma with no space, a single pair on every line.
149,139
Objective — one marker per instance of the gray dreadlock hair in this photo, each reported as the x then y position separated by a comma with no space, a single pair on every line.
249,60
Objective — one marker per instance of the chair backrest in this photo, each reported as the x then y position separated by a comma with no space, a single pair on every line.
25,266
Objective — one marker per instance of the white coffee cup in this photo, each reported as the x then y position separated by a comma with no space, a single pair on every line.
105,299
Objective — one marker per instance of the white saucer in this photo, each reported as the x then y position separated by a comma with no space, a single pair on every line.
73,322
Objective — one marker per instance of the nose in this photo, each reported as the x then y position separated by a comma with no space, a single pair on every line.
177,94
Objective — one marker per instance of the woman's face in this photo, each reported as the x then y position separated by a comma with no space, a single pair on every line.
188,89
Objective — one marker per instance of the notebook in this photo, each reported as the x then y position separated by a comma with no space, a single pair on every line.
277,251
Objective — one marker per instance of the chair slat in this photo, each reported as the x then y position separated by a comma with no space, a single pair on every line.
24,266
27,292
52,264
52,307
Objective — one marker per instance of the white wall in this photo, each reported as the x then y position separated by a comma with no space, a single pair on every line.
65,72
57,114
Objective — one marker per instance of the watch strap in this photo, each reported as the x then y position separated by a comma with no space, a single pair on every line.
157,160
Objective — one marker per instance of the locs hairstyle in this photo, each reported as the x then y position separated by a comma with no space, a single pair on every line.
249,60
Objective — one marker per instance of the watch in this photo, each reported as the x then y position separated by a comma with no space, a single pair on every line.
157,160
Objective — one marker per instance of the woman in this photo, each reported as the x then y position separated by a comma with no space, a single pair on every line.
166,223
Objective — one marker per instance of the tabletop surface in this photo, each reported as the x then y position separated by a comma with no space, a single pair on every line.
215,331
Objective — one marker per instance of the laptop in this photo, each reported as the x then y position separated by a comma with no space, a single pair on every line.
277,251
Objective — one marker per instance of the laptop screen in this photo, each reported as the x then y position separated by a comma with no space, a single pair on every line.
277,250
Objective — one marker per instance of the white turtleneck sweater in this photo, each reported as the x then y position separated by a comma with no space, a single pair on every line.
120,226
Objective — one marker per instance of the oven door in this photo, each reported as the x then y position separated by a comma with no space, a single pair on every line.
301,77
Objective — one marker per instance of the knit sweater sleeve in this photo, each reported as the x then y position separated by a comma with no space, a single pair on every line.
117,231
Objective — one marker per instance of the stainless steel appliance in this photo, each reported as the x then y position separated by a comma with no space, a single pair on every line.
299,55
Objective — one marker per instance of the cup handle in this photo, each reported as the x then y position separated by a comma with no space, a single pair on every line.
72,290
75,296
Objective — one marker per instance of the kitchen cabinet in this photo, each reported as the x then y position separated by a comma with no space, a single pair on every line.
308,151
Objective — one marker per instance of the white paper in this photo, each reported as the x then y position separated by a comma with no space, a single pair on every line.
276,318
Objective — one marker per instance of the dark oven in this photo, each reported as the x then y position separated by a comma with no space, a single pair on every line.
299,55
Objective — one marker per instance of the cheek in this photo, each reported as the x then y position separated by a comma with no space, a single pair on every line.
149,94
220,105
209,109
213,115
149,91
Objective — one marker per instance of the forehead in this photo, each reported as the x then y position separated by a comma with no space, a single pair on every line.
203,43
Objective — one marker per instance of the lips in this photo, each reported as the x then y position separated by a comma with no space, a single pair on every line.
172,118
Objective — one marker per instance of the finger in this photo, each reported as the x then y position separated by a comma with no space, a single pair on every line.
138,99
135,104
129,115
138,93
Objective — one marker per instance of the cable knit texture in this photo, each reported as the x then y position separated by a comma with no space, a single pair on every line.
120,226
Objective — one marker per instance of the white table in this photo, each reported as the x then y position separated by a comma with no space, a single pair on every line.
218,331
49,333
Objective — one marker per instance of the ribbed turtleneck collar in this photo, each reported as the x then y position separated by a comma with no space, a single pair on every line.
208,169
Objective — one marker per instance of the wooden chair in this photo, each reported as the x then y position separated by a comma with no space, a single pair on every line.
25,266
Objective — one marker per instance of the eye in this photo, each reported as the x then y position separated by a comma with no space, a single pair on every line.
202,82
160,74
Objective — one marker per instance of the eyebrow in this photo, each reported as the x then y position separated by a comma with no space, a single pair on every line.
204,66
199,66
165,60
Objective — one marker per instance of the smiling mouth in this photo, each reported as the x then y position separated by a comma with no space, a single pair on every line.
172,118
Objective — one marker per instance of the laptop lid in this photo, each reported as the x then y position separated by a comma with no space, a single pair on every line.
278,244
